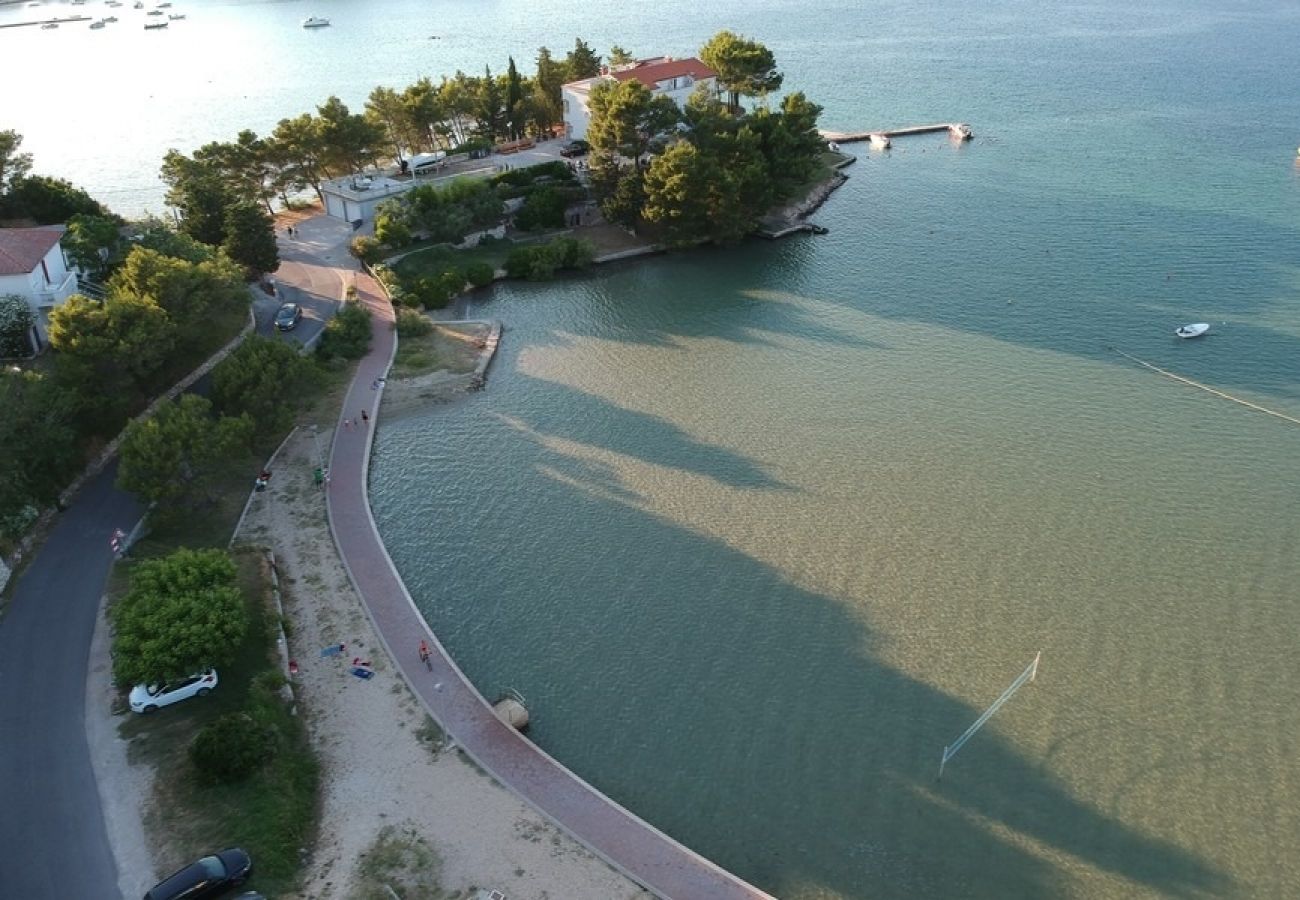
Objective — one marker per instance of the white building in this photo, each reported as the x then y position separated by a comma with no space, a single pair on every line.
353,198
32,265
663,75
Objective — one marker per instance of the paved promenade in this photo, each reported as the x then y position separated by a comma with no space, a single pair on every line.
643,853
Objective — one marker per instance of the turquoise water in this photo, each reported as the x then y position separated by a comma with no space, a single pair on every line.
758,531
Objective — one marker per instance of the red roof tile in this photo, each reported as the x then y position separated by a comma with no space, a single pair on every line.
22,249
650,74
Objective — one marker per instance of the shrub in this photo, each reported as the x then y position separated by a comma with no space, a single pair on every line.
366,249
391,230
16,321
412,324
542,210
480,274
233,747
453,280
431,293
347,335
541,262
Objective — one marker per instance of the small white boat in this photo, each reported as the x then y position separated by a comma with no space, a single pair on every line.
1196,329
960,131
879,141
150,26
138,4
175,16
109,19
99,23
48,25
315,22
154,12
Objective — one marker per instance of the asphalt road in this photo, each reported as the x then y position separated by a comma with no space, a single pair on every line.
52,838
301,279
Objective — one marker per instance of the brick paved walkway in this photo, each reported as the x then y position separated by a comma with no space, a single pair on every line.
631,845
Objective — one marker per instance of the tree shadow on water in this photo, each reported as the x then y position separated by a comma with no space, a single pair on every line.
751,718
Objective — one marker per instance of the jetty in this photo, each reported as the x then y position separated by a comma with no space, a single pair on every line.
63,21
959,130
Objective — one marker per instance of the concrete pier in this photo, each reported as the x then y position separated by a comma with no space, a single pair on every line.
958,130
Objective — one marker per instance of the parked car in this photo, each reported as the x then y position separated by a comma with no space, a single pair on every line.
211,876
575,148
146,698
287,317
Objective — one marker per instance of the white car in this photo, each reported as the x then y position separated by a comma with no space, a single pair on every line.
145,698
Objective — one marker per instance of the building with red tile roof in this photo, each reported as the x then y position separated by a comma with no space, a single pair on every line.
32,265
663,75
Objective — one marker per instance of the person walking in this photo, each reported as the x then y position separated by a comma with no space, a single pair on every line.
365,417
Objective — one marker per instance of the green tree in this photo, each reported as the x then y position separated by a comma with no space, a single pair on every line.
515,113
744,67
250,238
459,98
300,146
386,111
422,116
349,142
181,615
174,457
489,109
678,185
581,62
157,235
618,188
625,116
392,225
347,336
620,57
48,201
543,209
110,347
199,193
550,76
13,165
39,446
16,324
93,243
190,293
262,378
246,166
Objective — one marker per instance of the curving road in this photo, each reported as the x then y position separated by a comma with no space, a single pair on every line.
52,837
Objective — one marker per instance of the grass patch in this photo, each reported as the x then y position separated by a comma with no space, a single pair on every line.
451,348
401,864
433,261
273,813
431,735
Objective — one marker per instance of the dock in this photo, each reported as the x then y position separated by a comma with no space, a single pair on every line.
63,21
959,130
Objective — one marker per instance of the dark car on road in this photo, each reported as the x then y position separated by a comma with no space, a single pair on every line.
211,876
575,148
287,317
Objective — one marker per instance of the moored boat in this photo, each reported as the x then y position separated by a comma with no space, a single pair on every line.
150,26
315,22
1196,329
98,23
879,141
175,16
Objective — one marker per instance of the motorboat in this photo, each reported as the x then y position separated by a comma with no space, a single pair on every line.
879,141
175,16
138,4
1196,329
315,22
99,23
48,25
150,26
154,12
109,19
960,131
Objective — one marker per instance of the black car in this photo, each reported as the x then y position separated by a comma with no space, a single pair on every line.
287,317
575,148
211,876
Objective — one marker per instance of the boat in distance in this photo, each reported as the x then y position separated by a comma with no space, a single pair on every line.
315,22
1196,329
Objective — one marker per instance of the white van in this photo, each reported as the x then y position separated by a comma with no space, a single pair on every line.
428,163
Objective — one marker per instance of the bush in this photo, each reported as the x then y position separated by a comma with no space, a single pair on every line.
347,335
411,324
367,249
541,262
233,747
480,274
16,322
542,210
391,230
431,293
453,280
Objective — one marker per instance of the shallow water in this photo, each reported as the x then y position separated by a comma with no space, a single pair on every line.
757,532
